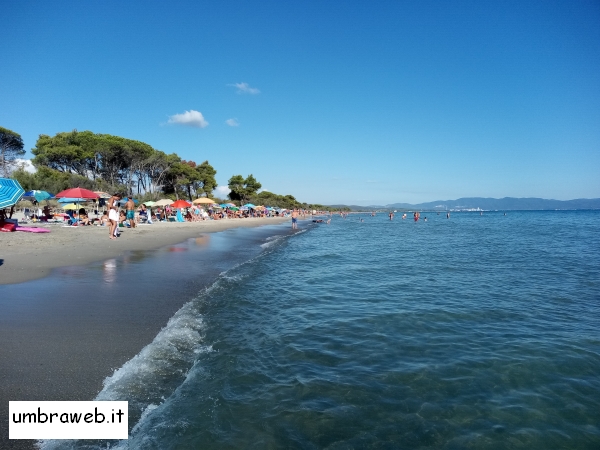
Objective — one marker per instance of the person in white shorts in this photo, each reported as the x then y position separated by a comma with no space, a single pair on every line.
113,215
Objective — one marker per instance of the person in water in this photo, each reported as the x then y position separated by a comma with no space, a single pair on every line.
391,215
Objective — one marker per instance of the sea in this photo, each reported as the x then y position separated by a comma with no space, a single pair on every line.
478,331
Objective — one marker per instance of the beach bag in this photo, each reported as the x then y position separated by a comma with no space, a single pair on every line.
7,226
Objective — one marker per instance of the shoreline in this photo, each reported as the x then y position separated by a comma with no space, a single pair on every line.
30,256
64,334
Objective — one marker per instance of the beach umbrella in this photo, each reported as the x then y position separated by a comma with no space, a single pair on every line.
37,195
77,193
10,192
180,204
249,205
70,206
151,203
102,194
206,200
163,202
234,208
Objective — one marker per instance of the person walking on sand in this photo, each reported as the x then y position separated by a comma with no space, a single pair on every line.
294,219
130,207
113,215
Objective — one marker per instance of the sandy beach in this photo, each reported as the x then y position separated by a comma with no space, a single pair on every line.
62,335
28,256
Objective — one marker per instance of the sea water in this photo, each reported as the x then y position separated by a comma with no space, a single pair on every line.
477,331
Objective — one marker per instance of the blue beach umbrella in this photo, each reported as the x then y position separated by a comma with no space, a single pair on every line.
37,195
249,205
10,192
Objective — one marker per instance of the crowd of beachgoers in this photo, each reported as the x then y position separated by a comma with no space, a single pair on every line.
95,215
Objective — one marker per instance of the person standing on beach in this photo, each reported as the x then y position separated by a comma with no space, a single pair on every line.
113,215
294,219
130,207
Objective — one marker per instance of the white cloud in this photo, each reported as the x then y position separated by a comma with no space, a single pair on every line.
26,165
244,88
221,191
232,122
189,118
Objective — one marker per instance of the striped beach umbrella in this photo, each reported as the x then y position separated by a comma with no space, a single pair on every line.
10,192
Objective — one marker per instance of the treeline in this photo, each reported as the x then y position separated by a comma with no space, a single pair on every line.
112,163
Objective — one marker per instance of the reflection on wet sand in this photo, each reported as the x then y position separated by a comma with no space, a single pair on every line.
109,270
203,240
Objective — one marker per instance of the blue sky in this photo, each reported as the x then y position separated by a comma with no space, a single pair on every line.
363,102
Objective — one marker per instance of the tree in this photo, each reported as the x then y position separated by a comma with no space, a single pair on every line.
11,148
206,178
251,185
242,189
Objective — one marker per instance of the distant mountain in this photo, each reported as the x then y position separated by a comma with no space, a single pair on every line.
506,203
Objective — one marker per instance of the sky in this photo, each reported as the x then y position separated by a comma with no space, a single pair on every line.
362,102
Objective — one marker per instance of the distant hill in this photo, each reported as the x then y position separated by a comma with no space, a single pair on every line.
506,204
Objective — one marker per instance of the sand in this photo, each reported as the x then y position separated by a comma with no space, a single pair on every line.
28,256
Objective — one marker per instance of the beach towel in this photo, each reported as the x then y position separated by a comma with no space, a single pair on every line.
33,229
179,217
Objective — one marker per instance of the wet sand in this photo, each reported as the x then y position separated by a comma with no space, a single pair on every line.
28,256
64,334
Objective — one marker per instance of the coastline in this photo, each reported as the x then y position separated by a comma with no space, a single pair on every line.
29,256
64,334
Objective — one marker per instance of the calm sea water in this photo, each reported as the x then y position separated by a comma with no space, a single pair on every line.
473,332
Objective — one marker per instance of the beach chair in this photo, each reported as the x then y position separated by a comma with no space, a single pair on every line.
72,220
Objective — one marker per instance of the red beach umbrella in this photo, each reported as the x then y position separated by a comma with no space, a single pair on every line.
180,204
77,193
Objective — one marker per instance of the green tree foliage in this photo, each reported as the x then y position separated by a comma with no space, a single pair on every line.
242,189
112,161
54,181
236,187
206,180
186,178
11,148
